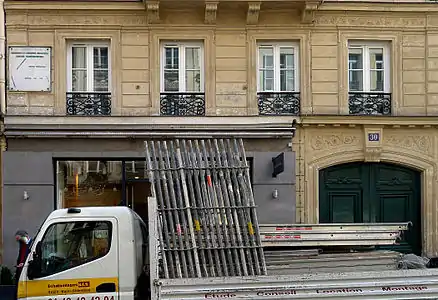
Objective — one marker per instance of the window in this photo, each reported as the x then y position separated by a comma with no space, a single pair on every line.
182,68
368,68
88,67
278,68
71,244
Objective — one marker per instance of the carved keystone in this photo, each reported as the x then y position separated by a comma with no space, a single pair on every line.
252,16
308,12
153,10
210,12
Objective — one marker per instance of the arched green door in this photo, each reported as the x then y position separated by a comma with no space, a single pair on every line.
372,192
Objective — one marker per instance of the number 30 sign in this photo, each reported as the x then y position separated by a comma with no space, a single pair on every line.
373,137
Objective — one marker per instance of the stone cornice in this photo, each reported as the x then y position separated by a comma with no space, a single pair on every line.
92,6
123,127
79,5
368,120
429,7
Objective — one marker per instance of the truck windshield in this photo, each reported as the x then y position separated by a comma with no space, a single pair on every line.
70,244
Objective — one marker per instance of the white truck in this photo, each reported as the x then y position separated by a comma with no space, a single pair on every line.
201,240
108,253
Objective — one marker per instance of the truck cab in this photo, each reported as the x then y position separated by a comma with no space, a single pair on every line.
92,253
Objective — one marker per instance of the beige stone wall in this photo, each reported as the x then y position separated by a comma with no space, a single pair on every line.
413,146
230,50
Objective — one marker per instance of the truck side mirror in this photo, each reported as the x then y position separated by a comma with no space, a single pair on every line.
34,268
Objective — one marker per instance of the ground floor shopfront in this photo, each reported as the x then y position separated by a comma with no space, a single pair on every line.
45,173
370,170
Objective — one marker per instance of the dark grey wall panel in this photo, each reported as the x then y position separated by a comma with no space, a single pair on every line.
27,168
23,214
263,168
274,211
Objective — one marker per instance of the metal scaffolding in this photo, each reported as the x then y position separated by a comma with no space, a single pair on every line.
207,216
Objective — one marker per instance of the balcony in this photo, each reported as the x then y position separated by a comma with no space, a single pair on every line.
89,104
282,103
182,104
360,103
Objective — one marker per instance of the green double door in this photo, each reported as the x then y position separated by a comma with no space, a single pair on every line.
372,192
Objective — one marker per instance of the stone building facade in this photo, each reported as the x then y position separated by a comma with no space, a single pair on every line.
361,80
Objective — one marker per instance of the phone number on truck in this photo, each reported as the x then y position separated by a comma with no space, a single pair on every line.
84,298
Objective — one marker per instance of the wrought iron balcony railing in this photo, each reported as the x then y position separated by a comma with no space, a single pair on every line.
372,103
279,103
89,104
182,104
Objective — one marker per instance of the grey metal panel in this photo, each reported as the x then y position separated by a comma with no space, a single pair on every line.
274,211
23,214
27,168
263,167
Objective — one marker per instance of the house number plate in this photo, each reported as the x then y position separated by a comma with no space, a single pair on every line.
373,137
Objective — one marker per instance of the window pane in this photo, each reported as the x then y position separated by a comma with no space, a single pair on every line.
79,80
376,58
171,81
287,58
100,58
355,81
171,58
79,57
266,58
376,81
193,81
355,59
193,58
267,80
68,245
89,183
100,80
287,82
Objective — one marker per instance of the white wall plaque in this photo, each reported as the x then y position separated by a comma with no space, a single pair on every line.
29,69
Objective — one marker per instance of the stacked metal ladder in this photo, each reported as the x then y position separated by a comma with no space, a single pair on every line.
207,216
342,234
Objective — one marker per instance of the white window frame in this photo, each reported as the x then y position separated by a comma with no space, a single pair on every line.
90,67
277,47
181,65
366,46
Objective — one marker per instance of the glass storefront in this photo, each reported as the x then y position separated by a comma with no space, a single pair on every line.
102,183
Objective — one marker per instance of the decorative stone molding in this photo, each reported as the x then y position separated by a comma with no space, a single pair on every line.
417,143
308,12
332,141
252,17
153,10
210,12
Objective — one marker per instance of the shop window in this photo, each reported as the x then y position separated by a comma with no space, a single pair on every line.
71,244
89,183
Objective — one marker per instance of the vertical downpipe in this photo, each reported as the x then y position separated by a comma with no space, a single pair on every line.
2,113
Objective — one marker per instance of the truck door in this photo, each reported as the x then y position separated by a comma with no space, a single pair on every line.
78,261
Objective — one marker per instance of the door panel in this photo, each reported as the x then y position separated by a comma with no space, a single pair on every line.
344,207
372,192
137,193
